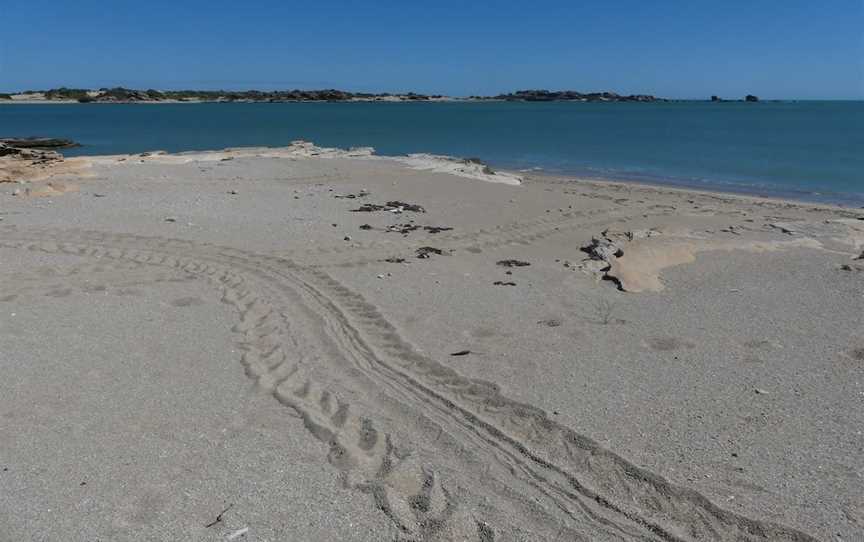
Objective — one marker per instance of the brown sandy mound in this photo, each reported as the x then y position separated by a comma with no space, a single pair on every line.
28,165
52,188
638,270
635,259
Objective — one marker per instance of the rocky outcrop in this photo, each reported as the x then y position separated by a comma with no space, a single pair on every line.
38,143
36,156
748,98
6,150
470,168
18,164
605,250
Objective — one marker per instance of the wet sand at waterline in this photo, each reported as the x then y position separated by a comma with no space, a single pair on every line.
258,344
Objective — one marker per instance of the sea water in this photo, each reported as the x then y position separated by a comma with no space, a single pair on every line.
807,150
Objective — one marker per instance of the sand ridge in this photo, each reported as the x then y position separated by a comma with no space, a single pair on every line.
25,171
15,170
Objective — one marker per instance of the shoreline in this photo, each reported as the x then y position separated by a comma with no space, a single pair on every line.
446,99
707,188
192,102
838,201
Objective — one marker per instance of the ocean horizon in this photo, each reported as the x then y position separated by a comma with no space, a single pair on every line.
804,150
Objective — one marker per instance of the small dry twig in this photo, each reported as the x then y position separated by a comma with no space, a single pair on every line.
605,310
218,517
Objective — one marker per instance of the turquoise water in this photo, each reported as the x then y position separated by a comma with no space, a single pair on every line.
806,150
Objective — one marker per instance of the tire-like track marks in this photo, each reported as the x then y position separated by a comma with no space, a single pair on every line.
315,345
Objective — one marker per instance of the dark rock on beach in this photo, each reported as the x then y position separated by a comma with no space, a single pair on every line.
6,150
392,206
603,249
38,143
405,229
512,263
36,155
486,169
425,252
361,194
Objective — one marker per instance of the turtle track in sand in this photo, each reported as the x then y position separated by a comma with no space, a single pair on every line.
445,457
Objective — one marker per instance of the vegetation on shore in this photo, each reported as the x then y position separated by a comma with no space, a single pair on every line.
125,95
569,96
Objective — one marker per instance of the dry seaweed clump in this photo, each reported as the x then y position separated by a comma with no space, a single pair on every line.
391,206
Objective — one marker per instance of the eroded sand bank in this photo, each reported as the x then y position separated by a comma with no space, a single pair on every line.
711,389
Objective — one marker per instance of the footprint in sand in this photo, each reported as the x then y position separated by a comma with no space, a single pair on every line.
483,333
756,344
93,288
187,302
129,292
857,354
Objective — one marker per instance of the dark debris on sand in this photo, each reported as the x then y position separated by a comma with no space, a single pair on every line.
551,322
405,229
392,206
361,194
426,252
512,263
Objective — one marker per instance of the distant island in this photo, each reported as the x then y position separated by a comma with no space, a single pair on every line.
569,96
126,95
749,98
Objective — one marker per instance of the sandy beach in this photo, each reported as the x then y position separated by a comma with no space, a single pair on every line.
313,344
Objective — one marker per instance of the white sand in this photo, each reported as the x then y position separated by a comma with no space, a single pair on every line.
320,399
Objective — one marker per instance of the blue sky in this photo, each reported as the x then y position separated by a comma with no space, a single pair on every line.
673,48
